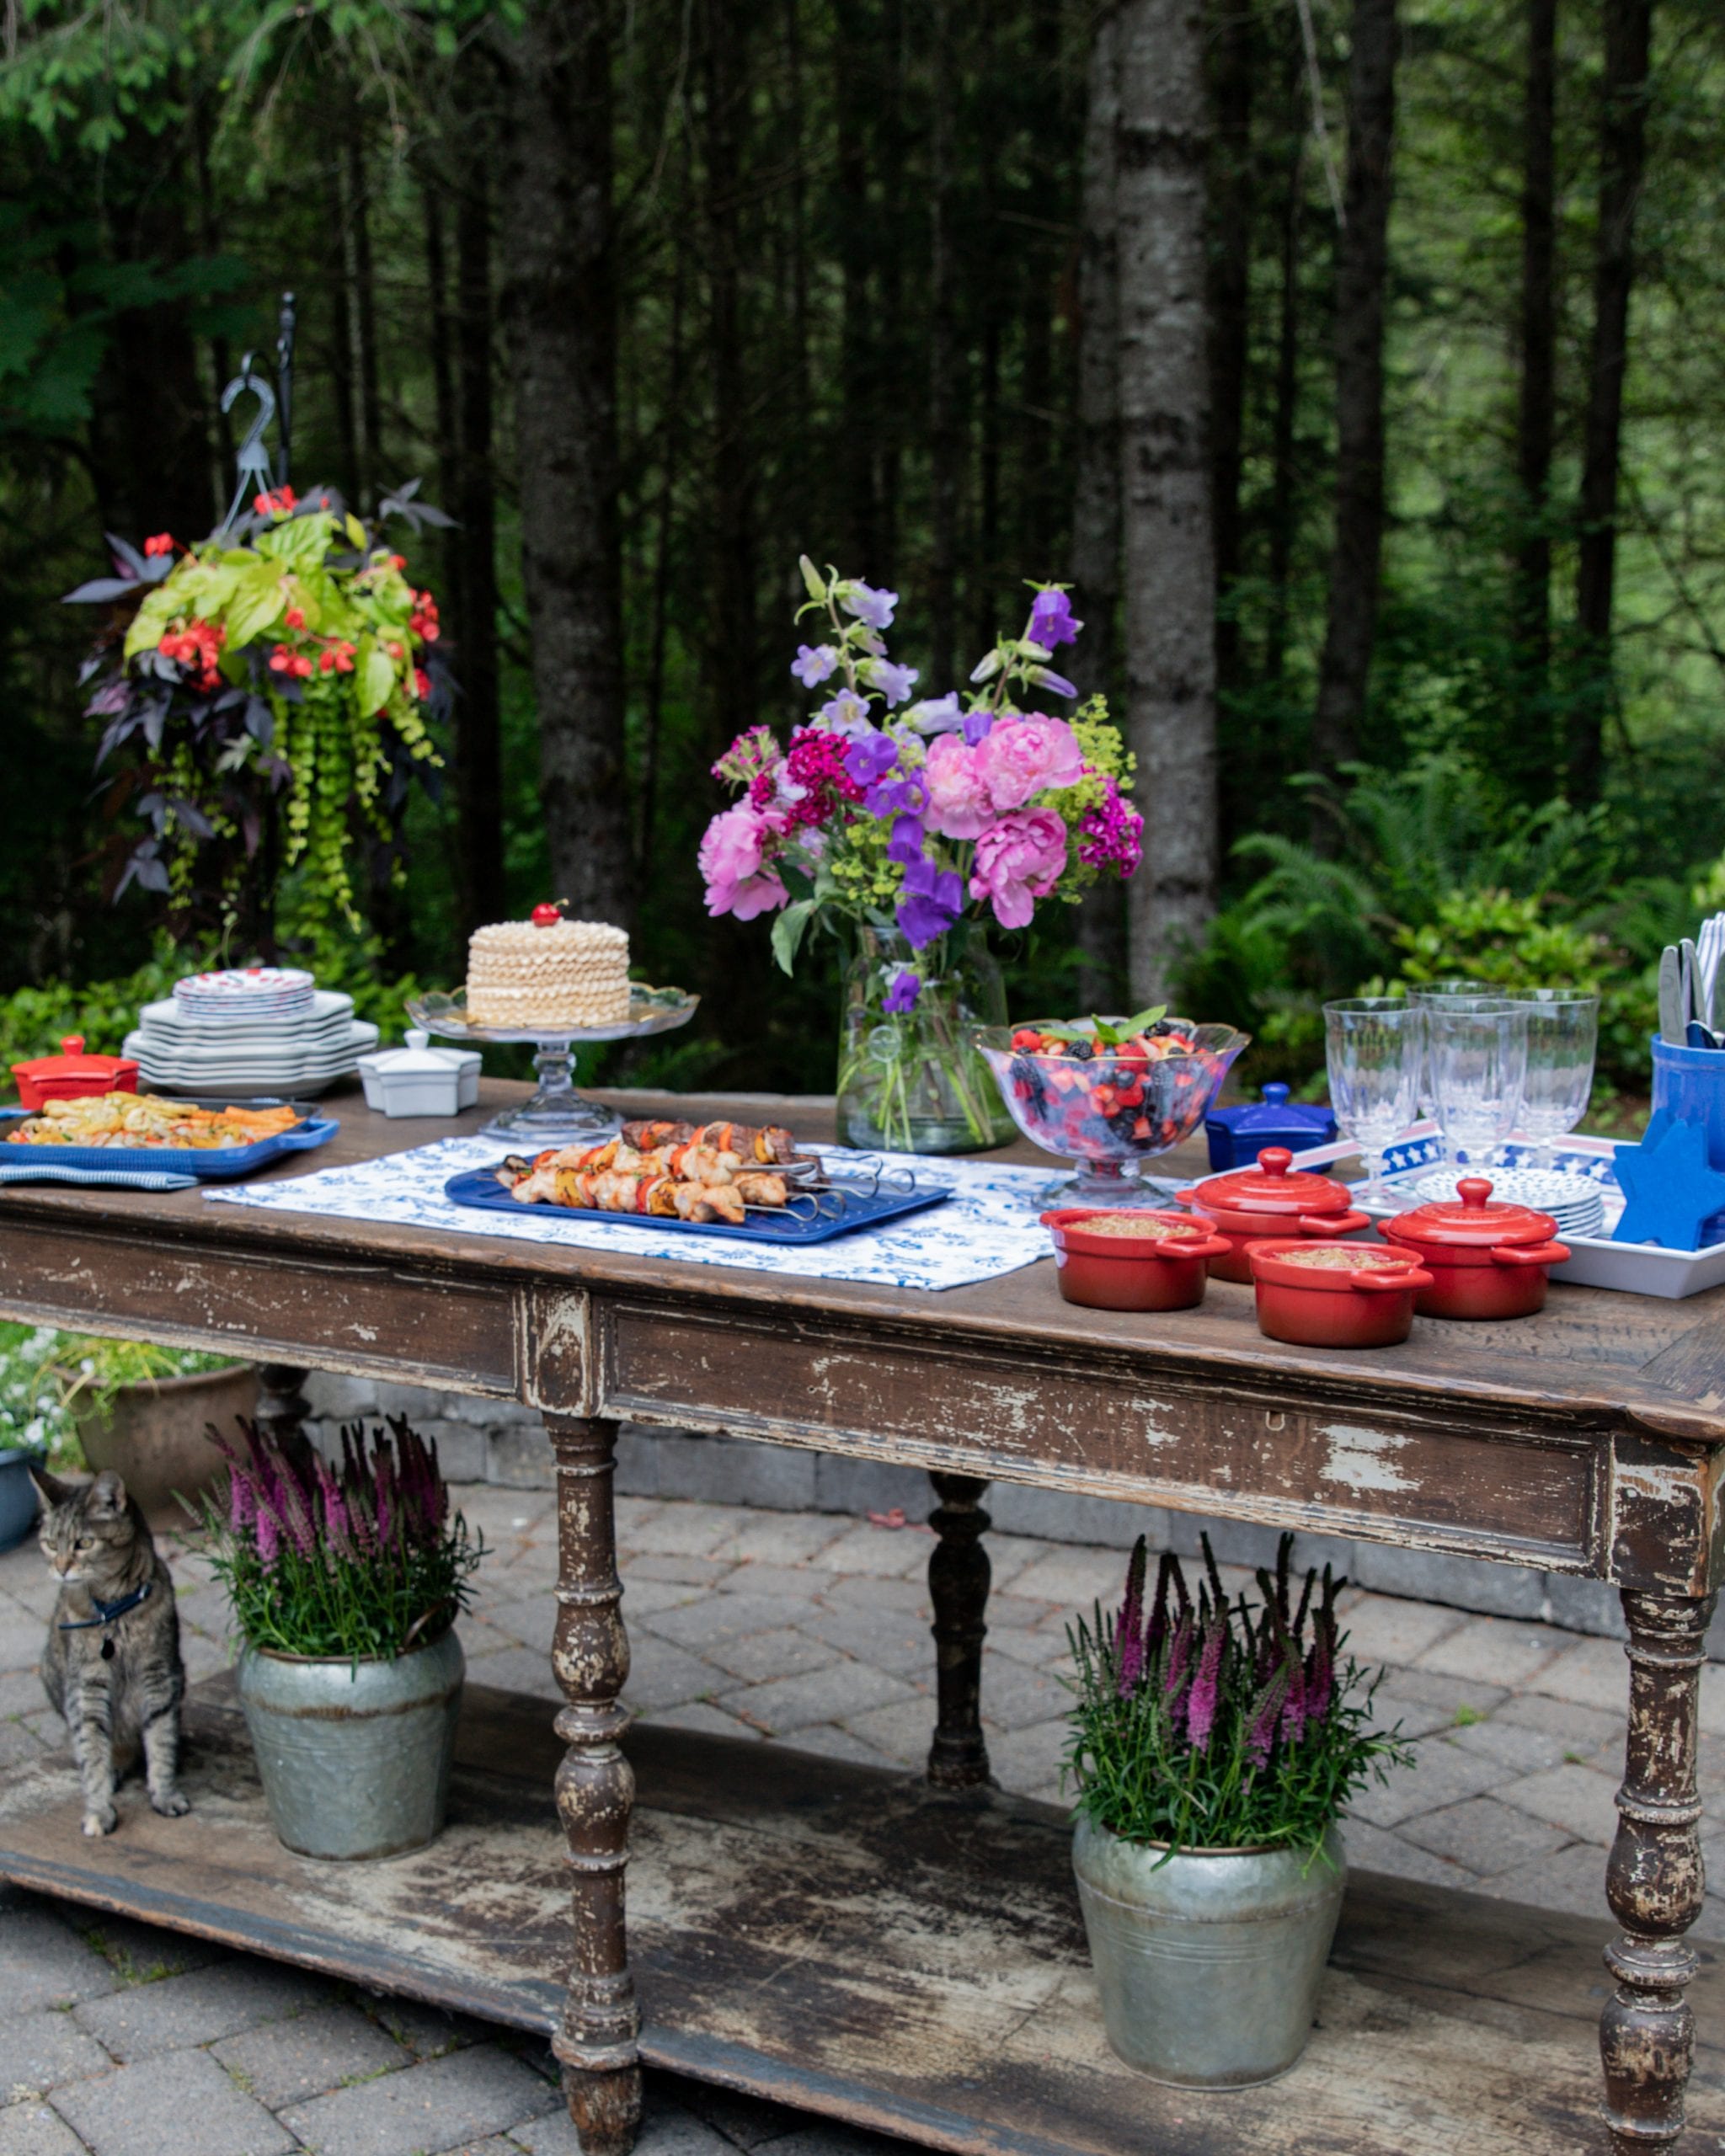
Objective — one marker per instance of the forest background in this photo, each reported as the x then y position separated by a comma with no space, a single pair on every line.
1356,360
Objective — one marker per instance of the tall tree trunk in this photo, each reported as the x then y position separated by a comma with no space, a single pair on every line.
653,700
1041,450
1096,499
734,638
1231,188
1362,258
442,336
1536,420
340,364
478,739
851,39
1628,28
364,285
946,449
559,304
1170,562
893,366
1285,412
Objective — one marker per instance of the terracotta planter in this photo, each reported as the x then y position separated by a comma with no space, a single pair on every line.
1485,1261
154,1436
1347,1295
1273,1199
1152,1262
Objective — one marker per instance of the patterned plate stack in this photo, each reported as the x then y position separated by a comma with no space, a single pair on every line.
241,1033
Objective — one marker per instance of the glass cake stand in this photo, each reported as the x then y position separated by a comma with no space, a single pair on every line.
557,1114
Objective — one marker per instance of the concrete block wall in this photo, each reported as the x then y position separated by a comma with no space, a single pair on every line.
501,1442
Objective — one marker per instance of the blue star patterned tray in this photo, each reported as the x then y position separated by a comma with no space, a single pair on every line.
844,1206
1595,1261
212,1164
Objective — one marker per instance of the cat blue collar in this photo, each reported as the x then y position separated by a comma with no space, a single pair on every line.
108,1612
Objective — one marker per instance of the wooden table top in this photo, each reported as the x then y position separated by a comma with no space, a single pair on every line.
1589,1438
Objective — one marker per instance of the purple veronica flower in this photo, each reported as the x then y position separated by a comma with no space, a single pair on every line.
1179,1653
936,714
895,683
933,899
814,663
1293,1710
268,1539
1262,1733
241,1500
1048,678
901,996
845,712
978,725
1129,1626
1051,620
1201,1701
868,604
1157,1629
906,844
870,756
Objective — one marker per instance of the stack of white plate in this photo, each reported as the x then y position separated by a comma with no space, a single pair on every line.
237,1045
1575,1203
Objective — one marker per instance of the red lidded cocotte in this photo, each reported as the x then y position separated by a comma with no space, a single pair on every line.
1486,1260
1273,1198
1335,1294
1131,1260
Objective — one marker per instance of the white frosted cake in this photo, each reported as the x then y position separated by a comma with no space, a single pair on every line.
523,974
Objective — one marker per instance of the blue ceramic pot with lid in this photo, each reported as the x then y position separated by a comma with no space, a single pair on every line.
1237,1136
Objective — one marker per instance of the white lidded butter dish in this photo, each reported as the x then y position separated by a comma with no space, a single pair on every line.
420,1080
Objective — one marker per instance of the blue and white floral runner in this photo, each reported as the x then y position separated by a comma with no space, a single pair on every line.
989,1225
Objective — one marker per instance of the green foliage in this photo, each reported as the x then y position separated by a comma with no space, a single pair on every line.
1220,1725
51,1381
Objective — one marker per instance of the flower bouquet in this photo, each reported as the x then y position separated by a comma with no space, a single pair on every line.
917,823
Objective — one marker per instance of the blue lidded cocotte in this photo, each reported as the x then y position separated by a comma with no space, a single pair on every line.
1237,1136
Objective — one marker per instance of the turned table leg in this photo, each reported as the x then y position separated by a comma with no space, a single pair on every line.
596,1792
282,1406
959,1574
1654,1881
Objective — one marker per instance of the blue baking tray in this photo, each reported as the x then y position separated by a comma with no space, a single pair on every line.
216,1163
480,1189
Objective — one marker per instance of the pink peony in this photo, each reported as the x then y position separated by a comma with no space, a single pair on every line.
733,864
958,806
1019,758
1018,862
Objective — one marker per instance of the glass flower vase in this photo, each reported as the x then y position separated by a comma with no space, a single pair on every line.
912,1080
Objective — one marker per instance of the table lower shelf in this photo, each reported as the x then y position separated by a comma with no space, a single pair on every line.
841,1938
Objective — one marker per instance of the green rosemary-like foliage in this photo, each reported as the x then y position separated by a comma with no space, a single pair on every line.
1212,1725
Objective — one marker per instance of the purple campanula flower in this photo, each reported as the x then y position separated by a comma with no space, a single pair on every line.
933,901
1048,679
870,756
906,844
814,663
896,796
868,605
936,714
978,726
901,996
845,712
1051,621
1206,1683
895,683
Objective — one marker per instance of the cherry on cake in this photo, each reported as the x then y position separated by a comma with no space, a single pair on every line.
547,971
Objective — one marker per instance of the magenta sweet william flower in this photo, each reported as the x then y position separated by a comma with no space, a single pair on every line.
1051,621
750,753
1111,836
902,994
1020,758
814,663
1018,861
817,783
733,862
959,804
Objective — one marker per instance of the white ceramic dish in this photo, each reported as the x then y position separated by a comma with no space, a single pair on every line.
1594,1261
420,1079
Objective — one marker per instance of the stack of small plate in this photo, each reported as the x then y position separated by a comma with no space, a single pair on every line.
235,1036
1575,1203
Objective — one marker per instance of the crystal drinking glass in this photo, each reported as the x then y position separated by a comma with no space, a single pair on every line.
1477,1049
1427,993
1374,1045
1562,1031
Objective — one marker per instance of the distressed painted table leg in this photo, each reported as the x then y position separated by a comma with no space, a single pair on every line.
1654,1882
959,1574
596,1792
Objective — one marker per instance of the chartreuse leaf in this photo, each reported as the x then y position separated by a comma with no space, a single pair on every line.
150,619
374,677
257,603
788,932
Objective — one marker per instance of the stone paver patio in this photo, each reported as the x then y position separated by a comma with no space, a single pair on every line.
807,1628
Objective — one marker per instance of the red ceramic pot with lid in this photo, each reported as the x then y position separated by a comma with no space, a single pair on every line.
1486,1260
1273,1198
1319,1294
1131,1260
73,1075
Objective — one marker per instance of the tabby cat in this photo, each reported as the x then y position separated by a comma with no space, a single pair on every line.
112,1665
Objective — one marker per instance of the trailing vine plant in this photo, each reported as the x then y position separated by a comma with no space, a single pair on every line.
268,696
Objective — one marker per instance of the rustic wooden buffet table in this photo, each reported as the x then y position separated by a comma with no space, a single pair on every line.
902,1953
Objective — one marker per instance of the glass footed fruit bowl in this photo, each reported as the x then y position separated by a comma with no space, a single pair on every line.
1107,1108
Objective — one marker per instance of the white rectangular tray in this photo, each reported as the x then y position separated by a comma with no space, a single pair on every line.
1595,1261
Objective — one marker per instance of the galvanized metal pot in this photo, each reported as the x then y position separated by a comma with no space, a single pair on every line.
1209,1967
354,1758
